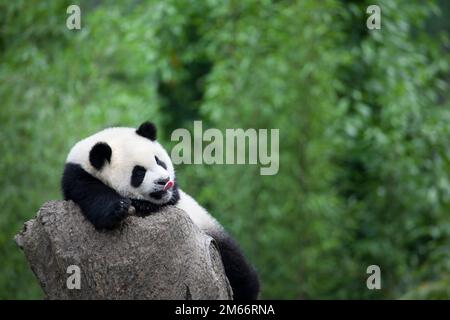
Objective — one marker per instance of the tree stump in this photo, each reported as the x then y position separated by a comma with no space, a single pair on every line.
160,256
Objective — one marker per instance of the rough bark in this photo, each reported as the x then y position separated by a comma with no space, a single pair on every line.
161,256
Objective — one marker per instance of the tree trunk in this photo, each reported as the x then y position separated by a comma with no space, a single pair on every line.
161,256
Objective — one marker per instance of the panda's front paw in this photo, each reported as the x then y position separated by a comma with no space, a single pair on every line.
120,210
117,212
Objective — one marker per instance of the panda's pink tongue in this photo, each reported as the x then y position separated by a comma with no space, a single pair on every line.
168,185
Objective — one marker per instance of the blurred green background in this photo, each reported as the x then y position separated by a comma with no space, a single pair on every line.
363,116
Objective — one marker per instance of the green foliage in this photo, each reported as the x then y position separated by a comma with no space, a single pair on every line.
362,114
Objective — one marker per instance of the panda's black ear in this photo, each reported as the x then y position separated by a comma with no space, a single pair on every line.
99,154
147,130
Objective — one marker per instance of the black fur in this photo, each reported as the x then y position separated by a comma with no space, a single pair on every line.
147,130
137,176
241,275
161,163
100,204
99,154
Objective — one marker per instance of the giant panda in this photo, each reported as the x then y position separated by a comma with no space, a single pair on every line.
119,171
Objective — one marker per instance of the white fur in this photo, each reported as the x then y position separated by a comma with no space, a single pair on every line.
198,214
128,150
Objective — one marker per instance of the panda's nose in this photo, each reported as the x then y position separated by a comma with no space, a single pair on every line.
162,181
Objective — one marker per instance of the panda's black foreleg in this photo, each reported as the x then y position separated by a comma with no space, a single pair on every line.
100,204
241,275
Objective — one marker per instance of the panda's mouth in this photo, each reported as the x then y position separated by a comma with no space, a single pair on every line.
158,195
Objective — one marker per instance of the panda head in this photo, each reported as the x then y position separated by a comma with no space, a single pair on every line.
131,162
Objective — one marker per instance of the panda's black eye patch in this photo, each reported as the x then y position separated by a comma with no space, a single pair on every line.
160,163
137,176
